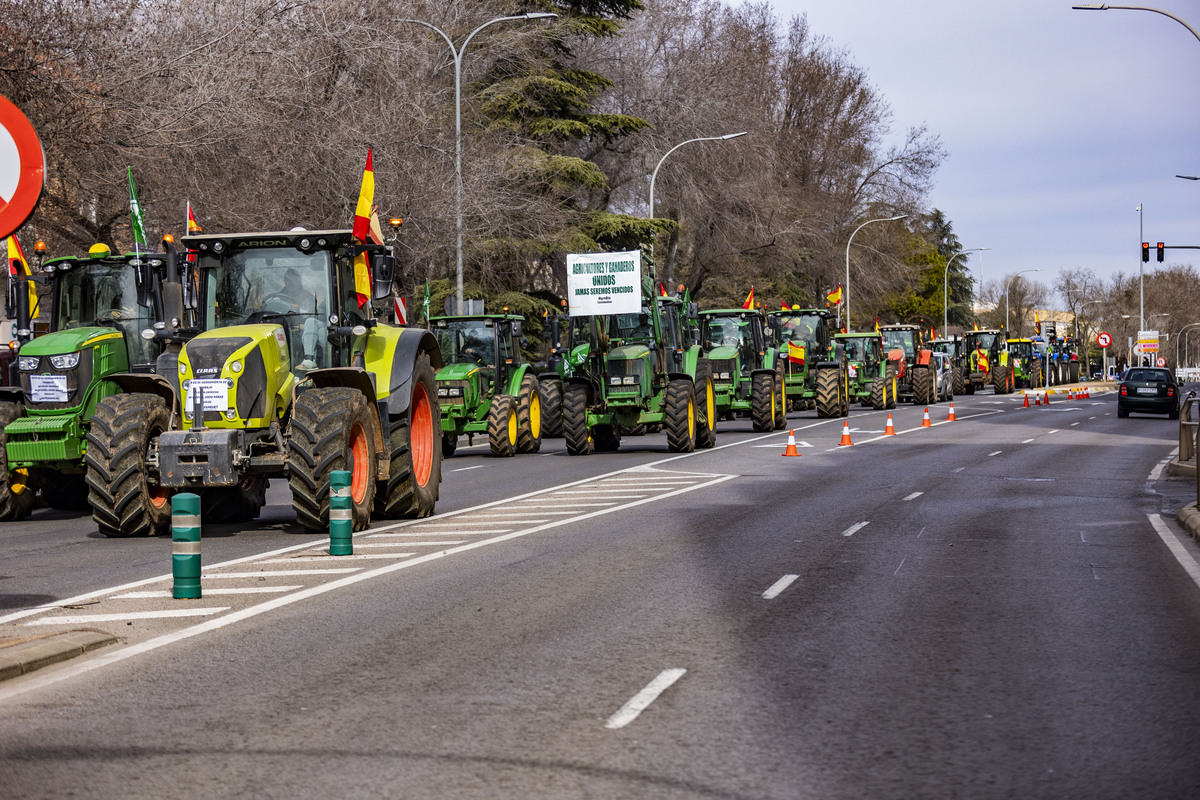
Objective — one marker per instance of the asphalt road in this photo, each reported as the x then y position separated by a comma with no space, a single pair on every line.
985,608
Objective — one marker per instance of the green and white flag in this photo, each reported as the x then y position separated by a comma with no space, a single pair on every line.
425,302
135,213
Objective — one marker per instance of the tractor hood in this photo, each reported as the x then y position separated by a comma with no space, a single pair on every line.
629,352
68,341
243,372
724,352
457,372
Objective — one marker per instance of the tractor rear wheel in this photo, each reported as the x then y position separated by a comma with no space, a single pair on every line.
16,492
1000,378
829,402
552,402
706,400
679,407
241,503
574,420
502,426
762,402
125,501
330,430
529,415
449,444
924,390
415,471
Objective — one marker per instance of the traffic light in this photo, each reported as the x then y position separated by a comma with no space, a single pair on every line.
1145,251
1161,247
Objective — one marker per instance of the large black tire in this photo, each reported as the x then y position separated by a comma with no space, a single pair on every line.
957,385
1074,372
415,471
1001,379
449,444
125,501
879,393
502,427
706,407
574,420
924,388
893,391
781,393
529,416
762,402
64,491
241,503
679,408
829,392
330,430
16,491
552,402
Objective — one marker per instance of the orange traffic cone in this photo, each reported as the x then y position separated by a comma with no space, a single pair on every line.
791,445
1047,399
1087,394
925,423
951,417
889,430
1070,394
1026,400
845,434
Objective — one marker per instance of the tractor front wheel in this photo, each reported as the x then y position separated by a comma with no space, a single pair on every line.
879,394
552,407
16,492
924,389
529,416
781,391
762,402
574,420
415,472
829,401
706,420
679,407
331,430
502,426
125,500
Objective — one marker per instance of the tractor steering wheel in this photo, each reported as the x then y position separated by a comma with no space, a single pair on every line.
283,304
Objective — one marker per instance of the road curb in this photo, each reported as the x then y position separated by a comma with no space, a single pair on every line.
26,655
1189,520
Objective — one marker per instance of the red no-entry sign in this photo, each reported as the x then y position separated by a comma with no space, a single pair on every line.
1103,339
31,169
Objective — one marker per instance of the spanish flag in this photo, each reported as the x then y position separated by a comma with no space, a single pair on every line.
362,232
835,297
785,307
18,266
192,225
796,353
749,299
877,323
662,290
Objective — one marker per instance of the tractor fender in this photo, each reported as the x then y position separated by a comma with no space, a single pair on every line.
352,378
146,383
518,375
591,390
771,372
409,343
924,357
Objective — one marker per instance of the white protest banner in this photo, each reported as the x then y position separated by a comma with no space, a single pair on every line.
604,283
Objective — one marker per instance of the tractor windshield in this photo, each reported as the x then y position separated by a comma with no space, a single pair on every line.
860,349
982,341
802,327
632,327
272,284
470,341
727,332
103,293
899,339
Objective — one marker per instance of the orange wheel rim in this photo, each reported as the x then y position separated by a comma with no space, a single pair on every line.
420,434
360,455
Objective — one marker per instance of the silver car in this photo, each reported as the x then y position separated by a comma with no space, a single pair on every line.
943,371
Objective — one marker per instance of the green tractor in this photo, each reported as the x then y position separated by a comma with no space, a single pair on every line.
293,377
953,347
484,387
983,350
868,379
99,305
911,362
637,370
803,337
747,373
567,348
1024,364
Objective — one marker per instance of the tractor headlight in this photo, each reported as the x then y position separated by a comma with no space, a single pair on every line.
723,376
615,380
235,368
66,360
231,413
630,380
182,368
28,363
450,391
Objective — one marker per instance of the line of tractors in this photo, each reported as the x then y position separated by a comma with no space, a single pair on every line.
219,364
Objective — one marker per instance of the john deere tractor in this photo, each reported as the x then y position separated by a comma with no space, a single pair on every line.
636,369
803,337
981,351
868,379
293,377
747,372
911,362
484,387
1024,364
98,305
567,348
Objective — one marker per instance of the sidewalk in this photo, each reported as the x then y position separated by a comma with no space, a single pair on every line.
22,656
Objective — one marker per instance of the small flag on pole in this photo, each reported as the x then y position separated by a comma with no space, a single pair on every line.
749,299
136,220
18,266
835,297
362,232
192,225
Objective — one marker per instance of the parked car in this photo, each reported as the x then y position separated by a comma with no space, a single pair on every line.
1148,390
943,372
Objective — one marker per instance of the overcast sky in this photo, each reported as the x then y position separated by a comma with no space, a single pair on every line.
1058,123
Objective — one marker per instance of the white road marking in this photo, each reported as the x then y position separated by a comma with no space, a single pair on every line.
958,469
409,544
574,503
208,591
914,495
464,469
897,572
998,452
1053,431
1073,424
776,446
272,573
778,586
88,619
853,529
326,557
1026,441
1176,547
640,701
415,533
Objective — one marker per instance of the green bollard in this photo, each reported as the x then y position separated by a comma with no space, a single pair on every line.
185,548
341,514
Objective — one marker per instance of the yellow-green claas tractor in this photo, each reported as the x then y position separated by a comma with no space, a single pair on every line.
293,377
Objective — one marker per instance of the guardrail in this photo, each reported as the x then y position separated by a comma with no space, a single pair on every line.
1187,437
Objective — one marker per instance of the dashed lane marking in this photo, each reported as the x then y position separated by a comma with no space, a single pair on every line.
642,700
778,586
853,529
914,495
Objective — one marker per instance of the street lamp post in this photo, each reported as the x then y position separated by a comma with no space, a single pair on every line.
1007,286
457,54
946,285
848,241
1106,7
1181,330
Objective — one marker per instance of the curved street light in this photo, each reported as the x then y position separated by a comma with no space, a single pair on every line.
1181,330
946,285
457,54
848,241
1106,7
1007,286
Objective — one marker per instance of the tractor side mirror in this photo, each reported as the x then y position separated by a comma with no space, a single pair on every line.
516,327
383,268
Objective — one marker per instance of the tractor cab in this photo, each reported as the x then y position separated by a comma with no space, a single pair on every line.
478,352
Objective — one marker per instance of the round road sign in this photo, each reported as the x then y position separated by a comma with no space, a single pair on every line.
31,173
1162,362
1103,339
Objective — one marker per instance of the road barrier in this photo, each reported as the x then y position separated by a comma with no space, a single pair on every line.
341,514
185,546
1187,436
